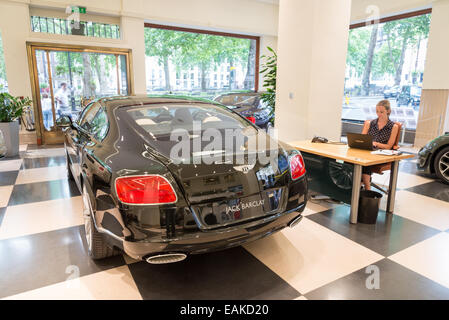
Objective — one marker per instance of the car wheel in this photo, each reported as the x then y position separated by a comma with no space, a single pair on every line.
441,165
69,172
96,244
340,175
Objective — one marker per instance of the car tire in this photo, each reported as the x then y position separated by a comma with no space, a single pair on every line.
441,165
96,244
69,171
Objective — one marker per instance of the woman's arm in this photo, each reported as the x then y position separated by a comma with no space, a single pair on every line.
391,141
366,127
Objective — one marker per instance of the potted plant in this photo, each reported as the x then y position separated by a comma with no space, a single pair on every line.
269,71
11,109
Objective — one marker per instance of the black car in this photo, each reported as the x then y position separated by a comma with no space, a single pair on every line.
409,95
249,105
392,92
434,158
158,203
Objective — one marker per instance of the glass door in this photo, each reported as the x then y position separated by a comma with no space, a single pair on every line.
67,79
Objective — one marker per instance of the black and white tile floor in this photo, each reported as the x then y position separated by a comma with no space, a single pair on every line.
42,248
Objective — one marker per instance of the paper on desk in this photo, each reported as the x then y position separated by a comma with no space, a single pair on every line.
385,152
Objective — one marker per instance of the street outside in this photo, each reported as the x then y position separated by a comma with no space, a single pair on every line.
353,108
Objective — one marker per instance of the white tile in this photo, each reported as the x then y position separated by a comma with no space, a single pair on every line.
405,180
40,153
314,206
129,260
10,165
42,216
429,258
5,193
41,174
422,209
113,284
310,256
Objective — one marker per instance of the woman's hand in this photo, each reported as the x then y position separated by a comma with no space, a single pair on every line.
375,144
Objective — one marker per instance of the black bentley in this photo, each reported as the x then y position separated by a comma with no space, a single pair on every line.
160,198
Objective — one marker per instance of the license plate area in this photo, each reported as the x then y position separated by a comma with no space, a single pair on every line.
231,211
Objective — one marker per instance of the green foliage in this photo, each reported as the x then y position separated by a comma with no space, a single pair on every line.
269,70
395,34
11,107
187,50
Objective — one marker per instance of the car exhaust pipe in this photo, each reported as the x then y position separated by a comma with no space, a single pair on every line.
166,258
295,221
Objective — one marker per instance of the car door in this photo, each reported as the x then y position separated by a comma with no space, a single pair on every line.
78,136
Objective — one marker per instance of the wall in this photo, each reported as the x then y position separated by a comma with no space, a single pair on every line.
312,45
384,8
239,16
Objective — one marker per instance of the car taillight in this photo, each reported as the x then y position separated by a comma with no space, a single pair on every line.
252,119
151,189
297,167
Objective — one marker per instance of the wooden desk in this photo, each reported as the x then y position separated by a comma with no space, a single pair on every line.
359,158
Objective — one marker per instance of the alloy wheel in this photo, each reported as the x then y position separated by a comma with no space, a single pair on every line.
443,166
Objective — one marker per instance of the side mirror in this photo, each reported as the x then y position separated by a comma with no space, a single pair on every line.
64,122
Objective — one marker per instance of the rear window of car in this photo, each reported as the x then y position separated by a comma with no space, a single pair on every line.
163,119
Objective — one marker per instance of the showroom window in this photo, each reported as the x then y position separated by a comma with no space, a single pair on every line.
70,27
386,61
3,82
172,50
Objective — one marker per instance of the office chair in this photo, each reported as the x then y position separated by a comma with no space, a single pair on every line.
380,168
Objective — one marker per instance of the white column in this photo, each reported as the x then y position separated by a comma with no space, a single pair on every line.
133,34
436,70
15,29
312,46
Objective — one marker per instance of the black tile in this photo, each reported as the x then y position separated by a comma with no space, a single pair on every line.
32,163
2,214
42,259
395,282
43,191
389,235
435,189
228,274
8,178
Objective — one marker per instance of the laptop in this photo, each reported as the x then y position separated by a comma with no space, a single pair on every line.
360,141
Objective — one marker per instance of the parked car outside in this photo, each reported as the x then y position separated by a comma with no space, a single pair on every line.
434,158
410,95
139,199
392,92
249,105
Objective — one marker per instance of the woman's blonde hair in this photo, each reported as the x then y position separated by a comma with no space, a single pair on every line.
386,105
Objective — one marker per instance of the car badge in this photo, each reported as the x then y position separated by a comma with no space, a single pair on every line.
245,168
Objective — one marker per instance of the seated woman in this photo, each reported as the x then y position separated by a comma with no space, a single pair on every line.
384,133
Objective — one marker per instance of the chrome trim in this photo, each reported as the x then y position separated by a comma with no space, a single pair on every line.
166,258
295,221
144,204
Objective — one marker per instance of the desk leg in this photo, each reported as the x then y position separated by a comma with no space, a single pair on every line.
392,186
356,183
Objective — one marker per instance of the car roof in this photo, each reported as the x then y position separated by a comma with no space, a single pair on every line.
136,100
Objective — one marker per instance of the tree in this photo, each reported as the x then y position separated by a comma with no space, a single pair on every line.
369,60
402,33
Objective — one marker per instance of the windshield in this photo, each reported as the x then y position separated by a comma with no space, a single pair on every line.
199,124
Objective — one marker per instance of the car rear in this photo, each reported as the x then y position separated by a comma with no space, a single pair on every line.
188,206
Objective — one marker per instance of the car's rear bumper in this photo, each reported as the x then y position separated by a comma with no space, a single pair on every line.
202,242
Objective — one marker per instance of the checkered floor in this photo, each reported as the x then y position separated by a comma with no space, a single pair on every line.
403,256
